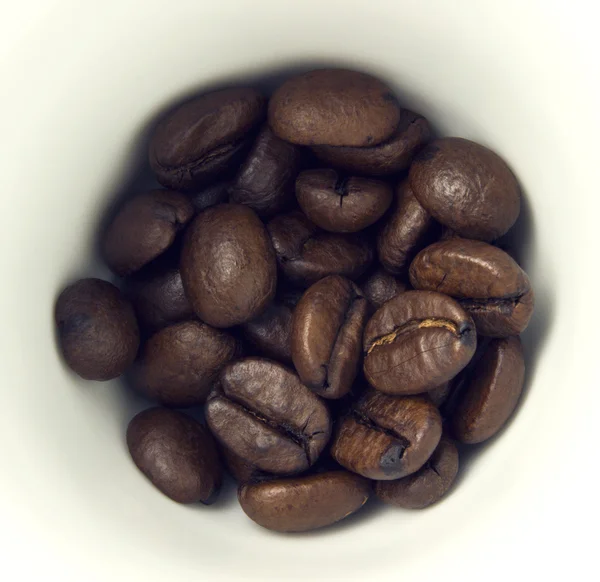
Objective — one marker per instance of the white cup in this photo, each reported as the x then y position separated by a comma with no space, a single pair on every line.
80,83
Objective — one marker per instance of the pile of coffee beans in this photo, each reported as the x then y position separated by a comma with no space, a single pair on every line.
318,277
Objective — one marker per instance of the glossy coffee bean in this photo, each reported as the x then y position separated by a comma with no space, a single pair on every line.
417,341
144,229
205,137
380,286
271,332
428,485
228,265
157,294
488,283
342,204
97,328
491,392
407,228
327,331
177,454
265,181
304,503
216,193
264,414
334,107
466,187
305,254
387,437
389,157
180,363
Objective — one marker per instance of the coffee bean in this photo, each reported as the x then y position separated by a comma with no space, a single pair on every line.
98,331
406,230
466,187
144,228
327,333
241,470
390,157
491,392
417,341
488,283
205,137
264,414
176,454
428,485
180,363
341,204
387,437
380,286
157,295
305,254
228,265
265,181
334,107
304,503
211,195
270,333
440,393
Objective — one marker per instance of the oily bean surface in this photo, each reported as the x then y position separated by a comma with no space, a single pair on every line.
271,332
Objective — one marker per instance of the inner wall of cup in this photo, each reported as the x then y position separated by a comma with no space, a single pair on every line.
92,129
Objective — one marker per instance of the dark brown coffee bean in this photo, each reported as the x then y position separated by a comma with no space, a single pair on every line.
228,265
380,286
241,470
205,137
327,333
387,437
417,341
157,295
340,204
176,454
440,393
265,181
466,187
334,107
212,195
406,230
488,283
306,255
144,228
270,333
304,503
390,157
264,414
98,331
491,392
180,363
428,485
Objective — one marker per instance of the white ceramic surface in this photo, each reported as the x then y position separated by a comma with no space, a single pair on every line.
81,80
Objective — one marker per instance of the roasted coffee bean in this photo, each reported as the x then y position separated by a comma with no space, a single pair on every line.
264,414
270,333
491,392
327,334
217,193
334,107
488,283
265,181
428,485
342,204
440,393
177,454
390,157
417,341
380,286
157,295
180,363
466,187
242,471
228,265
406,230
304,503
144,228
306,255
205,137
387,437
98,331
